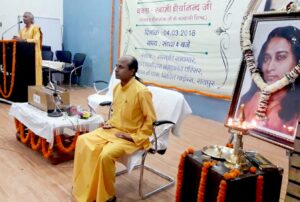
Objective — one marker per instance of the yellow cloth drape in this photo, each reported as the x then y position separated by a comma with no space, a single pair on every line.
33,35
97,151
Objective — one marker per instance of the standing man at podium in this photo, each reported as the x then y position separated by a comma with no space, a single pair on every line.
32,33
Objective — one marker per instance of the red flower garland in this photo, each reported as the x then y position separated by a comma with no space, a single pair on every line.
180,173
230,145
13,69
231,174
222,191
34,146
202,185
47,151
252,169
4,68
60,145
259,188
17,123
24,139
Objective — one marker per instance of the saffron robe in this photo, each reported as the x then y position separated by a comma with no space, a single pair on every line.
33,35
97,151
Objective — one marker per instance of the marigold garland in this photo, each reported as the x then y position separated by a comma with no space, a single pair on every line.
17,123
229,145
34,146
4,67
259,188
24,139
46,150
266,90
252,169
231,174
222,191
13,70
180,173
60,145
202,185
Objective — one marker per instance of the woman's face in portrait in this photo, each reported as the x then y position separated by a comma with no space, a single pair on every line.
278,60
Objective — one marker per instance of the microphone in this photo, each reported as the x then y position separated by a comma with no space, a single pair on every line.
10,28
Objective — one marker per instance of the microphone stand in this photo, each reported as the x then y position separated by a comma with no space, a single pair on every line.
10,28
56,99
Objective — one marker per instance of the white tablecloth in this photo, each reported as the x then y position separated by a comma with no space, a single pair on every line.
170,105
42,125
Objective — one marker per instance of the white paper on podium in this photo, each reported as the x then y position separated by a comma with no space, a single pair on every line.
55,65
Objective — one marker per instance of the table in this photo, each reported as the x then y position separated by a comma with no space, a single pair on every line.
242,188
55,137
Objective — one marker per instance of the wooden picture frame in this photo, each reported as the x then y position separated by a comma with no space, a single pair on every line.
280,125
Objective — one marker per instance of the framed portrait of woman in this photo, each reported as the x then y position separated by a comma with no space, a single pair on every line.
271,99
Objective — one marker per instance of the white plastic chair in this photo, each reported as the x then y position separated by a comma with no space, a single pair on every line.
171,108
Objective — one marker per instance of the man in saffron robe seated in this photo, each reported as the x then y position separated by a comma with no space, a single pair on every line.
127,131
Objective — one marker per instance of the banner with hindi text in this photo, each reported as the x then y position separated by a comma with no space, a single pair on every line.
191,45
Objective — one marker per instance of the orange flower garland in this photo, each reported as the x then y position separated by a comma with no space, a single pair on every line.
180,173
24,139
252,169
231,174
13,70
34,146
17,123
202,185
4,67
47,151
41,142
259,188
230,145
222,191
60,145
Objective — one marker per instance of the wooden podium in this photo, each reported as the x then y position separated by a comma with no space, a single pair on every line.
17,70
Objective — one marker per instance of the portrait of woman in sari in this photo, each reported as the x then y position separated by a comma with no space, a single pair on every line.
279,54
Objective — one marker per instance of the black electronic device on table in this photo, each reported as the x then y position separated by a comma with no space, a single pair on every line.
260,161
